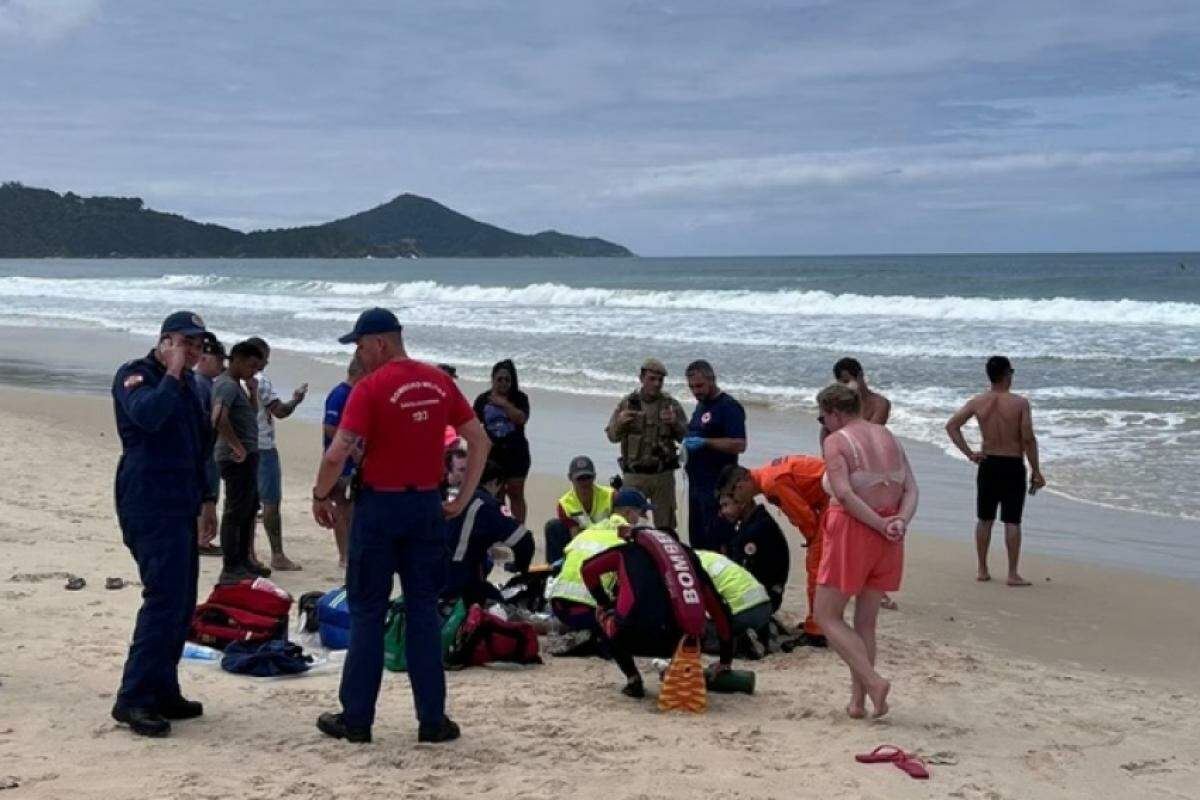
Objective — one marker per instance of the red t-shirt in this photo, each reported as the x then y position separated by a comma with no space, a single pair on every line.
402,410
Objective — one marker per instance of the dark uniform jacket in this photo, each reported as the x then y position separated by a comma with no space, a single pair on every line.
166,440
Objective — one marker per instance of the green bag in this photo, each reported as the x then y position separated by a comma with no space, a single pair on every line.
393,634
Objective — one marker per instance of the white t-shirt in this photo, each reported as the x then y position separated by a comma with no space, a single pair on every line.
266,420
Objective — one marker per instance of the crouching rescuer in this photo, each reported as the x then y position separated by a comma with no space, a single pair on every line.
662,597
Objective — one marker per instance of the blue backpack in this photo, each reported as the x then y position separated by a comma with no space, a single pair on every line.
333,619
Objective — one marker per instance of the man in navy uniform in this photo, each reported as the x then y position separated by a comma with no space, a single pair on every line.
397,415
161,492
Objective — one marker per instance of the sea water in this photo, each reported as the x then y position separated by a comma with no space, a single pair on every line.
1107,346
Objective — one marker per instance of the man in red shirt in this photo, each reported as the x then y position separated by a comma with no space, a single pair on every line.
396,417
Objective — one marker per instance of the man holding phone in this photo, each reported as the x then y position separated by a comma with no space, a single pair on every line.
649,424
270,470
160,492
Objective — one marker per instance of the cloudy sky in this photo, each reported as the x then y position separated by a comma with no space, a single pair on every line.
688,127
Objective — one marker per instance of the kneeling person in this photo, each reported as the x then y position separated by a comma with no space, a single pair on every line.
570,600
472,534
585,505
748,603
662,595
793,483
759,545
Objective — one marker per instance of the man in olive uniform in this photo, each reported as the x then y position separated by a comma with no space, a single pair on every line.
161,489
649,424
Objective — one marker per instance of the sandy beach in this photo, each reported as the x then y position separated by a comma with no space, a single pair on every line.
1082,686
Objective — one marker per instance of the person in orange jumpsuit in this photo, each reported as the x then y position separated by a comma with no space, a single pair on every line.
793,483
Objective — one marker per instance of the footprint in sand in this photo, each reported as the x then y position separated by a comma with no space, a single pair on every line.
39,577
1154,766
973,791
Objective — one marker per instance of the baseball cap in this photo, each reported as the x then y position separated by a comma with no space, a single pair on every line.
373,320
183,322
629,498
654,365
212,345
580,466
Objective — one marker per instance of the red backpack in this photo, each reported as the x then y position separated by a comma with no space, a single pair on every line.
217,626
248,611
258,595
484,638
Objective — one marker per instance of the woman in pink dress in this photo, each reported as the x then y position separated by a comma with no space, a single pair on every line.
873,499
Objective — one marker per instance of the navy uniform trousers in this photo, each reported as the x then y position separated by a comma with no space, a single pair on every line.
168,561
395,533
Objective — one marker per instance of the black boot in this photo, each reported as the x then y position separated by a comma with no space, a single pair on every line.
180,708
142,721
445,731
333,725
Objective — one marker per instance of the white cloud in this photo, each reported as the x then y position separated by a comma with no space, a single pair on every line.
871,167
44,20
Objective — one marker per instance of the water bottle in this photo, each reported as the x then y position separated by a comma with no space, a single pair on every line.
199,652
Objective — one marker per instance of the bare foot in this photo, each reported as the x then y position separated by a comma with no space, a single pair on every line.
1016,580
888,603
284,564
879,697
983,577
857,709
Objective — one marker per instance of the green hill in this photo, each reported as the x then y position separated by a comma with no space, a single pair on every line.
36,223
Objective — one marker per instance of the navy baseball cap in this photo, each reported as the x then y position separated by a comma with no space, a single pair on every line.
373,320
580,466
183,322
629,498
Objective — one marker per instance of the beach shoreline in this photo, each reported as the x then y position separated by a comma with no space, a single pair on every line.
563,425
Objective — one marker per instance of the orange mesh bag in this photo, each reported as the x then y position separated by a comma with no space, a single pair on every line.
683,686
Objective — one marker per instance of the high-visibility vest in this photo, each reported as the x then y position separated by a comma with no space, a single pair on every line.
737,587
602,497
569,584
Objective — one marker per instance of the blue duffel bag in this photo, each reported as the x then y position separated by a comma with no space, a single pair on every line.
333,619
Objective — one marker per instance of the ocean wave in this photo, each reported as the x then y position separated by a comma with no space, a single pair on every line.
781,303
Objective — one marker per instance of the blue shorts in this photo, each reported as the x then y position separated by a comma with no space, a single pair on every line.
270,477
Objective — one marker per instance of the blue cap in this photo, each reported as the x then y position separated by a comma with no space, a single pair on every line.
629,498
373,320
183,322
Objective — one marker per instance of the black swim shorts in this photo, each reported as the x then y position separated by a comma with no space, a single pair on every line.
1000,482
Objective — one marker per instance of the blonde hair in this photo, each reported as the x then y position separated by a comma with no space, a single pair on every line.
841,398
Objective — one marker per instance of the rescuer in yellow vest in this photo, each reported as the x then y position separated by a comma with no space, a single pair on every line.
583,506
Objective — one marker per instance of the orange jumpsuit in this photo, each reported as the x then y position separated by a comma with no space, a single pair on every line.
793,483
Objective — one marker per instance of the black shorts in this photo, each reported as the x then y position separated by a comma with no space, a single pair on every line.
513,459
1000,482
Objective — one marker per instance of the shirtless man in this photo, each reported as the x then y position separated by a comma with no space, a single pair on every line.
1006,423
875,407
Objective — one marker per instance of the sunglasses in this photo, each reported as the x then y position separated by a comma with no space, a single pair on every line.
821,420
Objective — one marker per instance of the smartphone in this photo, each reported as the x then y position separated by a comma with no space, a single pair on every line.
635,403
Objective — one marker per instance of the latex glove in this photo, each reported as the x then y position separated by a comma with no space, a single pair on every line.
693,443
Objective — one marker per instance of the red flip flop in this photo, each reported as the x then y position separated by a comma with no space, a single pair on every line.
883,754
889,753
914,766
